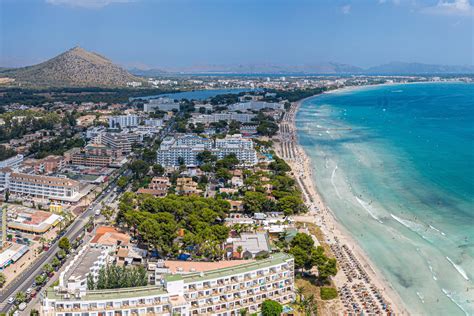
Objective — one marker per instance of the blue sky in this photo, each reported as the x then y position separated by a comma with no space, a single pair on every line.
174,33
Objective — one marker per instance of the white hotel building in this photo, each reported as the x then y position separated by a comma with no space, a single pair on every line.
221,292
187,147
12,162
228,116
54,188
123,121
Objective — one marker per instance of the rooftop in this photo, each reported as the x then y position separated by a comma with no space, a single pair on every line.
110,236
193,266
276,258
82,266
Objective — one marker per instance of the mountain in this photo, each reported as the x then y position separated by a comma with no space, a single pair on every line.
75,67
330,68
147,72
322,68
418,68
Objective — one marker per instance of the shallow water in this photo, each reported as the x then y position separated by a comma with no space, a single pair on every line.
396,166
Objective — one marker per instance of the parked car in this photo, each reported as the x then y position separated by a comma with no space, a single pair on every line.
11,300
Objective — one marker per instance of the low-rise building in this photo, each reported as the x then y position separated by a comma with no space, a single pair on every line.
11,253
186,186
32,221
158,187
85,120
248,245
47,165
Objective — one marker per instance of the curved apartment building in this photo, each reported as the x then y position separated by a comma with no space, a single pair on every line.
220,292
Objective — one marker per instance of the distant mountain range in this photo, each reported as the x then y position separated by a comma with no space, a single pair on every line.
75,67
78,67
394,68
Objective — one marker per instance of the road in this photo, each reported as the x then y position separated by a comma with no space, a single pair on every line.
26,279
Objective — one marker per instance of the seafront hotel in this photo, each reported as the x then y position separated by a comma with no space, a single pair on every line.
220,292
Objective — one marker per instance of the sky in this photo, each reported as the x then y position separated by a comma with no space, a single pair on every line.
183,33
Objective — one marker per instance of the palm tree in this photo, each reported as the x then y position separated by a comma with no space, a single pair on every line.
239,250
299,290
310,307
20,297
42,240
238,228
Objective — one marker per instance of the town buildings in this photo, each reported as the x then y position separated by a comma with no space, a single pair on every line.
122,121
92,155
44,187
220,292
158,187
32,221
255,106
185,149
226,116
120,142
12,162
162,104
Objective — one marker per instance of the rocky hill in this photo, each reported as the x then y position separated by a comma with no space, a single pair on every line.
75,67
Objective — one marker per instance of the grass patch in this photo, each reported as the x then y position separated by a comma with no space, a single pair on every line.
328,293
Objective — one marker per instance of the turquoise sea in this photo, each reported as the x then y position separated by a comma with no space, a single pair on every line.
395,164
195,95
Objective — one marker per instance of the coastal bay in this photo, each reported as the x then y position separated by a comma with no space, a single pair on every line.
393,165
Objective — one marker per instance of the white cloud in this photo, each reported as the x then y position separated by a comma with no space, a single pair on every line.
91,4
455,7
346,9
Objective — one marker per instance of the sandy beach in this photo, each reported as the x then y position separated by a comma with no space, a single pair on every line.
358,280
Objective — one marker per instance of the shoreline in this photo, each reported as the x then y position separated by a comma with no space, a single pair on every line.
335,234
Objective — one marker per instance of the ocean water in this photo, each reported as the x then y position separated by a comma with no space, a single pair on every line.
395,164
195,95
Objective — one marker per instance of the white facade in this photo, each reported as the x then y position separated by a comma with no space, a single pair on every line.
216,117
88,261
154,122
123,121
187,147
121,142
255,105
222,292
12,162
39,186
95,133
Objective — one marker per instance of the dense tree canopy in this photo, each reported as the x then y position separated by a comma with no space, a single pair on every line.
271,308
156,221
307,256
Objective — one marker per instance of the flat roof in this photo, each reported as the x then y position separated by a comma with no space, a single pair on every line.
176,266
146,291
83,265
112,294
274,259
